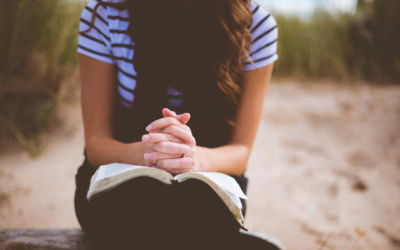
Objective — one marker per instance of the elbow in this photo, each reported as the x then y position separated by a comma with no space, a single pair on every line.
244,152
90,151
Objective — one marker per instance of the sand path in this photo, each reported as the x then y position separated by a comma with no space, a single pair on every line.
324,172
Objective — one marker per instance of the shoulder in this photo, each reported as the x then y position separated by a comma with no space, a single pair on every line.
104,10
95,8
95,39
262,19
264,38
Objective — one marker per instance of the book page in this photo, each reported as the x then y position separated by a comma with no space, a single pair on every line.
109,176
113,169
226,183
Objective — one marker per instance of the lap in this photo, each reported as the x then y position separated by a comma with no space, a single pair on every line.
144,209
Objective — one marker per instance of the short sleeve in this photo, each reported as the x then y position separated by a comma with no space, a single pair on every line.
264,33
95,43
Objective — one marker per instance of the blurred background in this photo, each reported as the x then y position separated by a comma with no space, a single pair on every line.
325,169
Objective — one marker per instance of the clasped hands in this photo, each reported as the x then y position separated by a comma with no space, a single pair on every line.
168,140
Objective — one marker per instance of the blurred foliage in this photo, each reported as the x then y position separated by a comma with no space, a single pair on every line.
37,53
313,48
342,46
375,36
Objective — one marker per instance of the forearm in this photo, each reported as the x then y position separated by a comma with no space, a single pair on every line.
230,159
105,150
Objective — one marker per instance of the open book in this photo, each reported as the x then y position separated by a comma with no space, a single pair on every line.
112,175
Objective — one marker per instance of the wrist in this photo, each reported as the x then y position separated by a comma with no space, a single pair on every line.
133,154
202,160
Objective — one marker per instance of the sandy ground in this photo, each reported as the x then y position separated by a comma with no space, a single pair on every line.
324,172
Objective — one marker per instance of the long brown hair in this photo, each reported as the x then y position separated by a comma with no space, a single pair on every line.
235,18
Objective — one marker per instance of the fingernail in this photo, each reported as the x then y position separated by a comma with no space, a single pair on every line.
192,140
187,149
145,138
188,170
147,156
149,127
189,160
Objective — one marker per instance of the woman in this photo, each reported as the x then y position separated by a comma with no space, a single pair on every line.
141,63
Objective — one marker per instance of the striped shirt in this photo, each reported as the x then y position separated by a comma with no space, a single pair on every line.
109,42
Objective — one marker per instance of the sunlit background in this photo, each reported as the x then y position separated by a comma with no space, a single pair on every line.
305,8
325,169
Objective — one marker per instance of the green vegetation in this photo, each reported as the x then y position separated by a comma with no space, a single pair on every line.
37,53
313,49
345,47
376,39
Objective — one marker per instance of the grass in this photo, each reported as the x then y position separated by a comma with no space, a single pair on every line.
313,49
342,46
37,53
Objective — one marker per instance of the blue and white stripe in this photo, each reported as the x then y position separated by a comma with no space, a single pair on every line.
109,42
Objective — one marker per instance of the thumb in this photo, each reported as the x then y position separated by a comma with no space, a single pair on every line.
168,113
183,118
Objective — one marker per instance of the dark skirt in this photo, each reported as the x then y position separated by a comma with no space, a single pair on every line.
144,213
